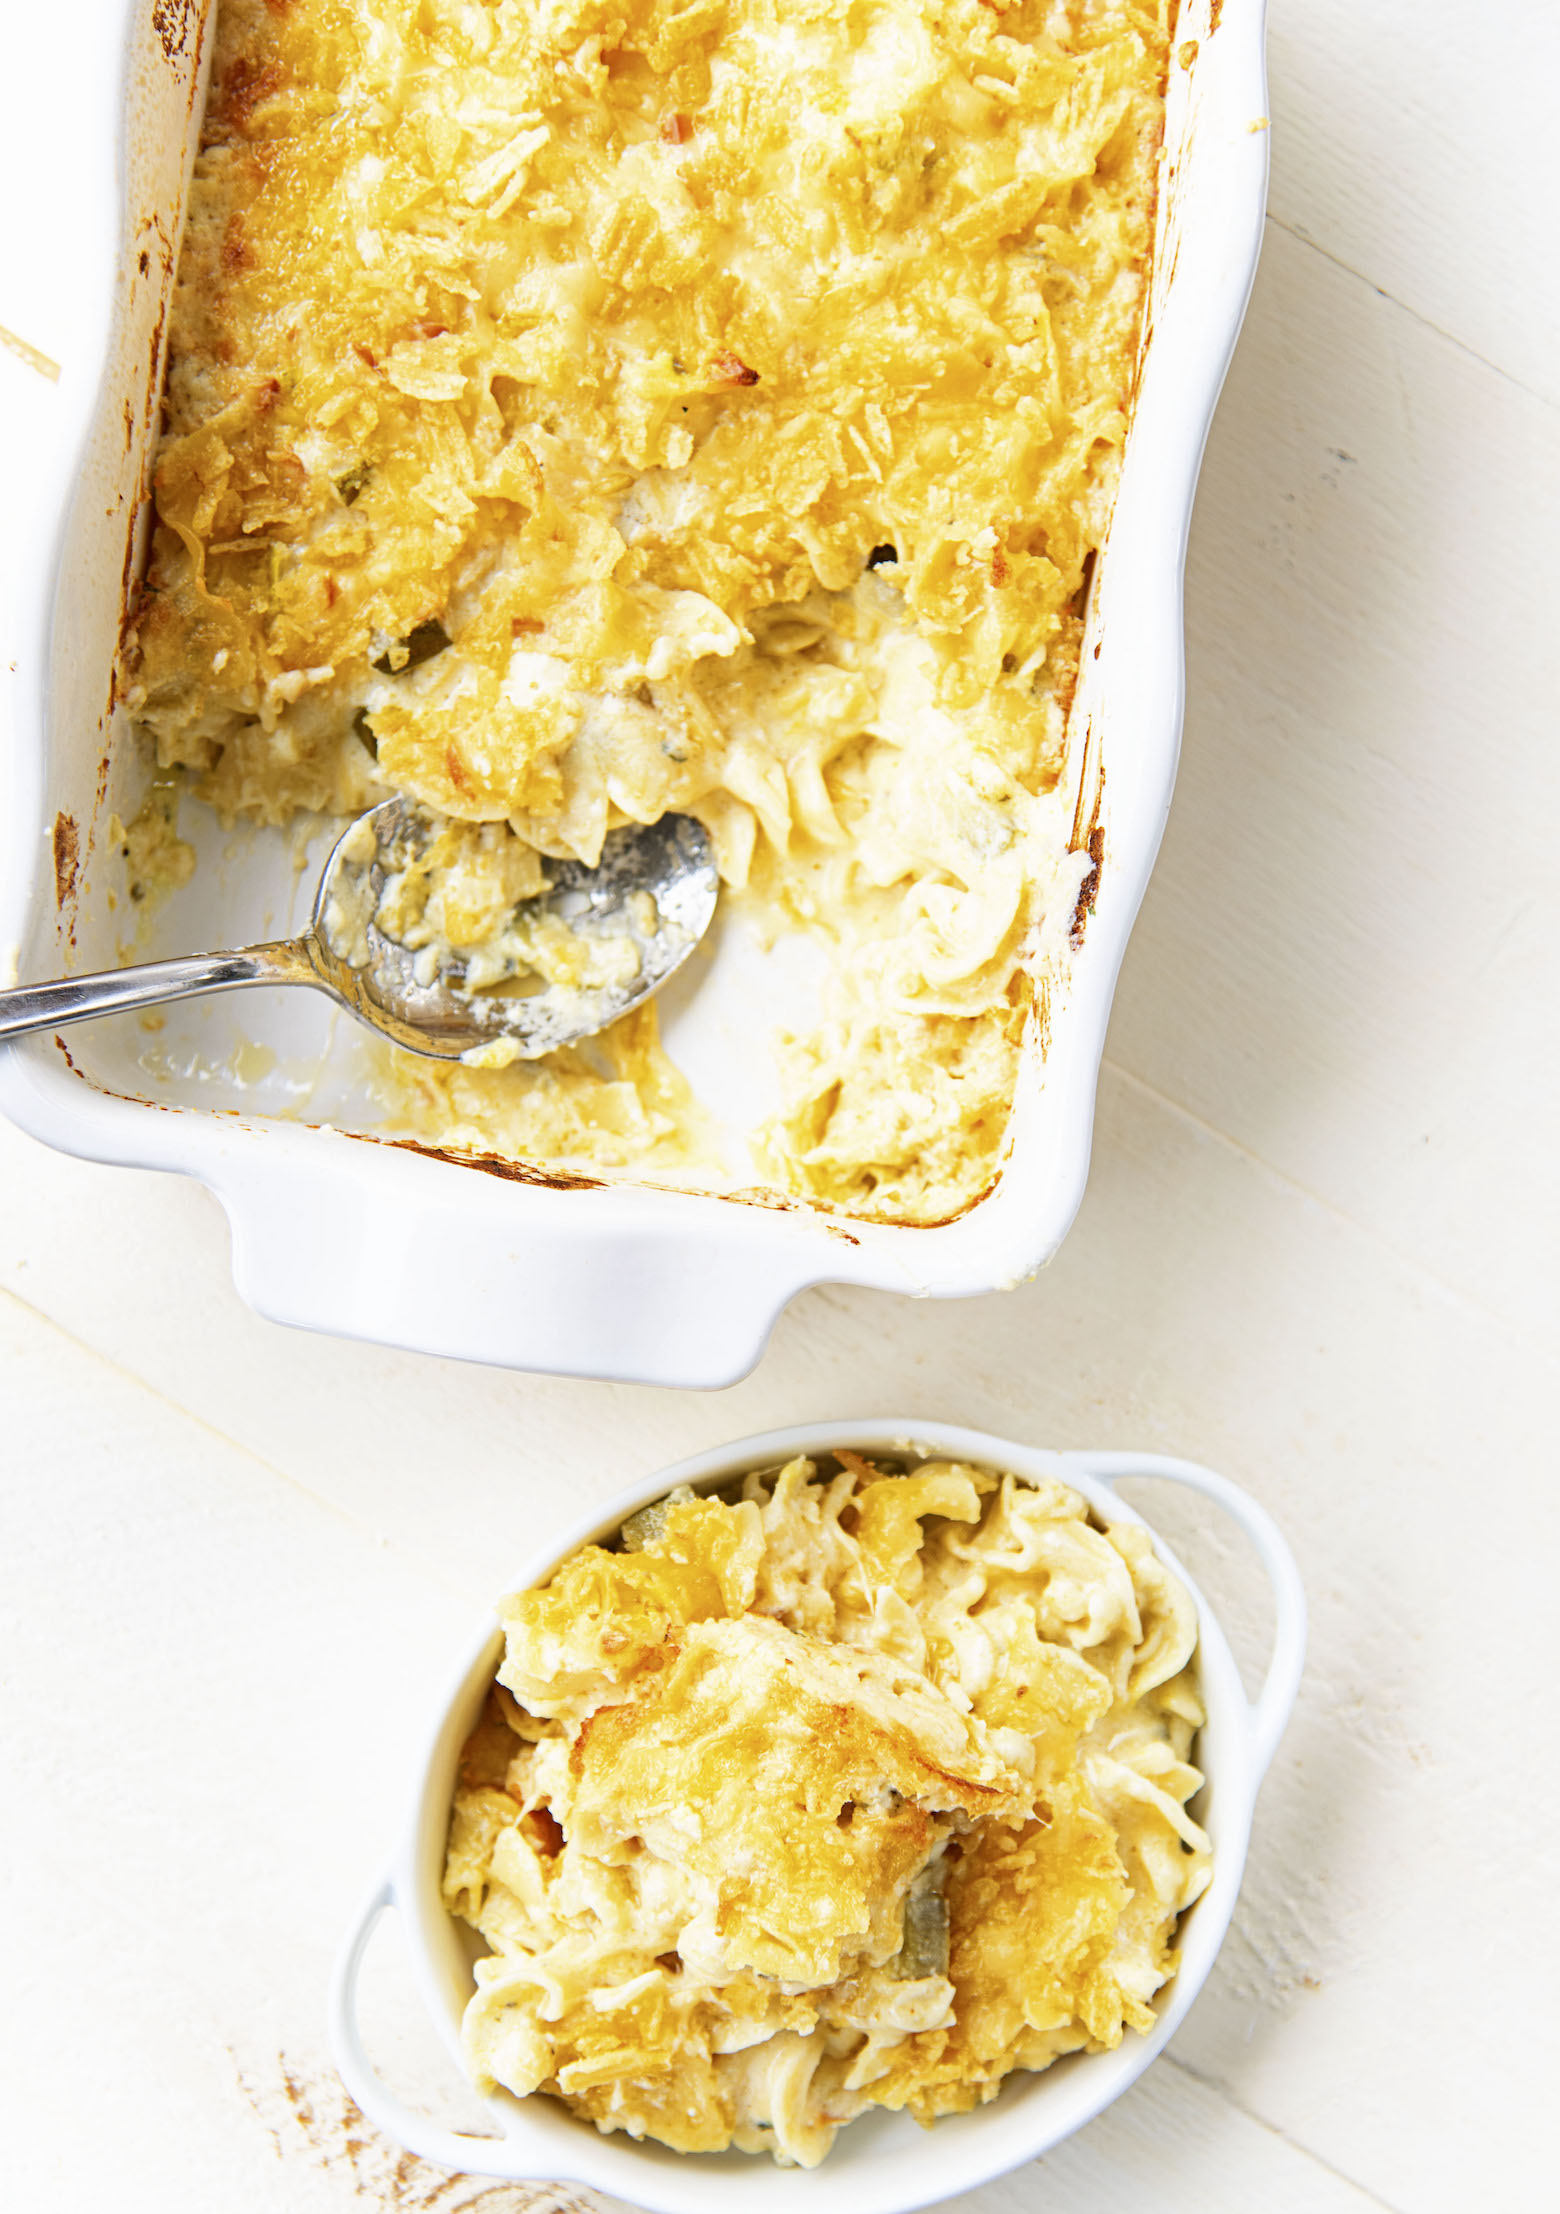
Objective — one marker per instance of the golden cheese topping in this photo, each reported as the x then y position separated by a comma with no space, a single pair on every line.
853,1790
582,409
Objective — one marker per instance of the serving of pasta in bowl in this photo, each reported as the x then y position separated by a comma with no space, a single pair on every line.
850,1813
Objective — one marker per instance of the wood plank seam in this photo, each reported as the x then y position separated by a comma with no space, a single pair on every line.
376,1539
1542,1352
1303,238
1222,2092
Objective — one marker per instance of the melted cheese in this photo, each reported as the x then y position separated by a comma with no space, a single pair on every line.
603,346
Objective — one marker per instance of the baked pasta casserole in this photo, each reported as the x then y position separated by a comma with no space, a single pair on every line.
861,1787
583,409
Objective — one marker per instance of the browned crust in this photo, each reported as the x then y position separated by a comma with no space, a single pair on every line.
66,842
172,22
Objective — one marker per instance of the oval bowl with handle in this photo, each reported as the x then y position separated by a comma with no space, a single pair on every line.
881,2163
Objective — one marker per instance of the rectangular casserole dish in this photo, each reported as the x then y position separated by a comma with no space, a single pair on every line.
256,1095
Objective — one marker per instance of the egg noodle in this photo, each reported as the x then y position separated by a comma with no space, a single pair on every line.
583,409
861,1789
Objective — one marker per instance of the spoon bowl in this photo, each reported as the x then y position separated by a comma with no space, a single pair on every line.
645,906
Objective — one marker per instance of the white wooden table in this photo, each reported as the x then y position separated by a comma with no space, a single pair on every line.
1316,1251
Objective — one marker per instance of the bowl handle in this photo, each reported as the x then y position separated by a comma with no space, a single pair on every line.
468,2155
1271,1709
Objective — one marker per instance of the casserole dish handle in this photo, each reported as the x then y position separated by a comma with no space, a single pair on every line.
468,2155
1270,1709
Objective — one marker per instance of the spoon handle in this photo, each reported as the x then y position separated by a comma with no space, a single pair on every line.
150,983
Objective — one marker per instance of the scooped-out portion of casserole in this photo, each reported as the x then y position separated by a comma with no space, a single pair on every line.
583,409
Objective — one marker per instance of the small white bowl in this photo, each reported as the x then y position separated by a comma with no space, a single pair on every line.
881,2163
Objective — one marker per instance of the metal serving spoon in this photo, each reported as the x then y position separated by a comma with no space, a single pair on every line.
343,952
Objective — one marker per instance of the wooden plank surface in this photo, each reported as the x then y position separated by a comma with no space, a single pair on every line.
236,1562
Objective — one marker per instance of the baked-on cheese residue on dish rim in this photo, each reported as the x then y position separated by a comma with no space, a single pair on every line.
583,409
860,1789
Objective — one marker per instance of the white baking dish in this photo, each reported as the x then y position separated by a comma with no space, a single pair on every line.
333,1231
881,2163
